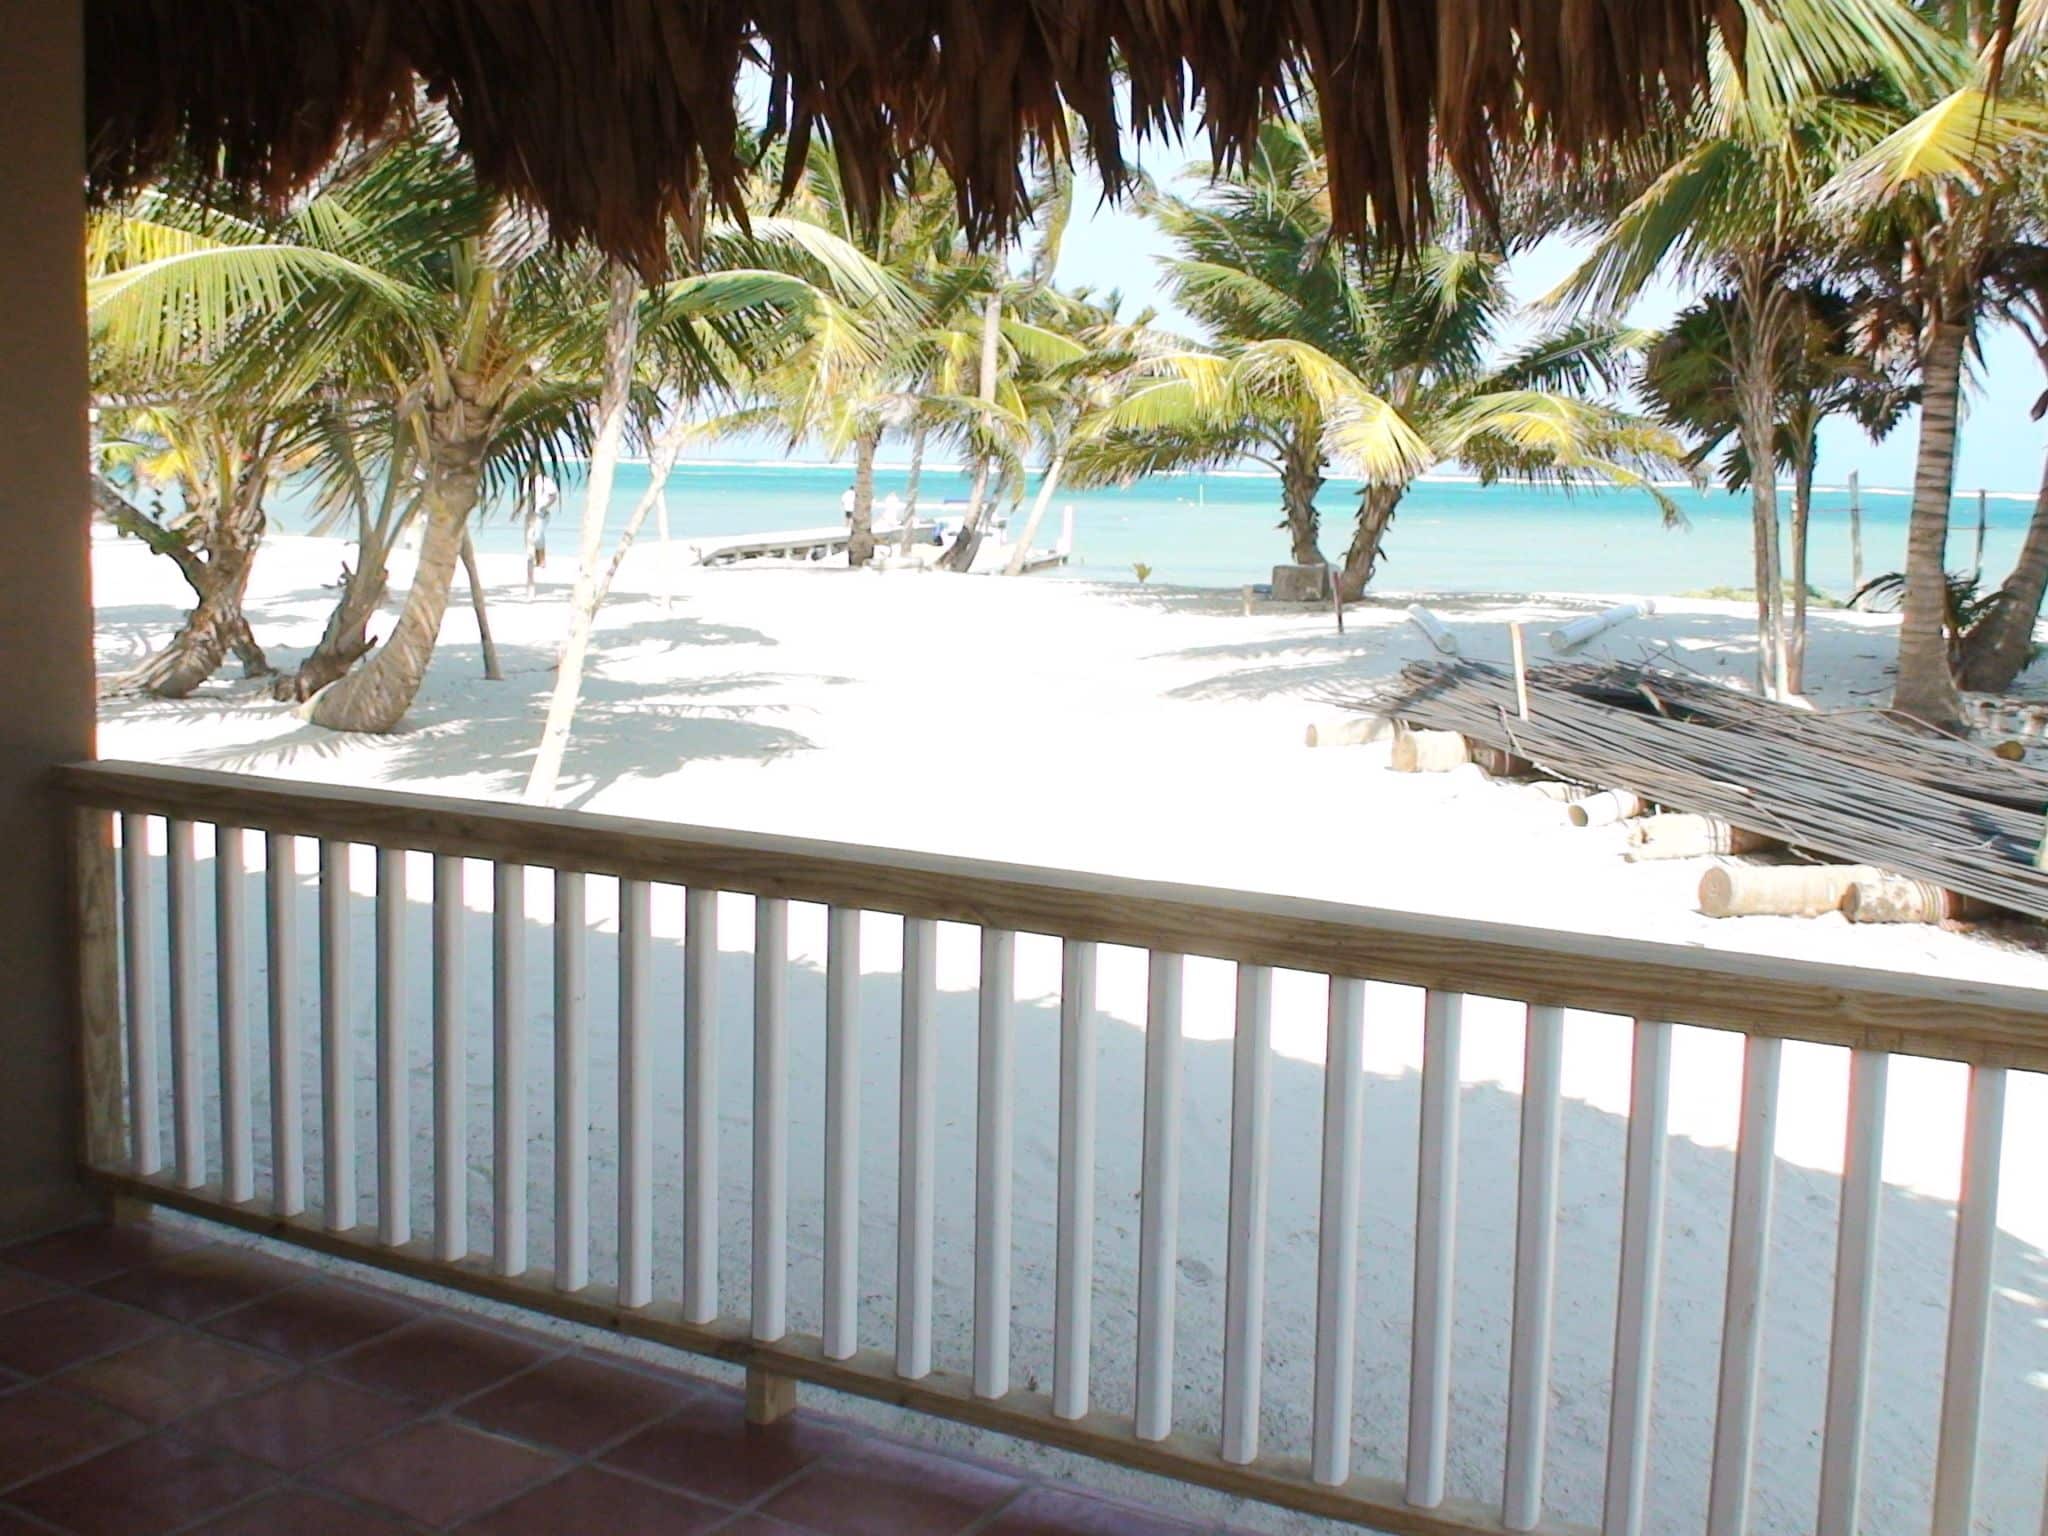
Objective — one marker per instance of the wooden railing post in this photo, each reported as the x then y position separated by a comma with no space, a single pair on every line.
105,1127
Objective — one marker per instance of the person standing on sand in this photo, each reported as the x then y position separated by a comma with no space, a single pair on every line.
846,505
539,495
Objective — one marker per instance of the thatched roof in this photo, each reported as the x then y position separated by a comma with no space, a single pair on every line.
616,116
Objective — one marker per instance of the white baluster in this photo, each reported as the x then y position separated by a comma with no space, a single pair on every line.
287,1109
1969,1308
995,1117
1841,1461
237,1137
1535,1268
700,1106
1244,1286
917,1149
337,1043
1436,1228
508,1074
188,1132
1074,1235
636,1100
451,1067
842,1132
138,953
1742,1321
394,1061
1337,1229
771,1118
1159,1197
572,1084
1642,1263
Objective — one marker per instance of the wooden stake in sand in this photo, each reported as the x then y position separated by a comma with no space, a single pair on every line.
1521,668
1779,890
1681,835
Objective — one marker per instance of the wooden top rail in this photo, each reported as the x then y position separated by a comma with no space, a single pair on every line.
1795,999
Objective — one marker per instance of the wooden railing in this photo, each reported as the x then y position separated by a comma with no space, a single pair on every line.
133,1008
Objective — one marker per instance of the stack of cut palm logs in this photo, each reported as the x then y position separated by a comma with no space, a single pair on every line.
1917,826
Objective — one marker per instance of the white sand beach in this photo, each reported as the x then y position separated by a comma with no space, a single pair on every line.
1158,732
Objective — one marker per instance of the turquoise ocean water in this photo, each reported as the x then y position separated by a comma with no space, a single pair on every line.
1218,529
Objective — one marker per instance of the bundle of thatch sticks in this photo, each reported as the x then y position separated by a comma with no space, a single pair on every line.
1955,820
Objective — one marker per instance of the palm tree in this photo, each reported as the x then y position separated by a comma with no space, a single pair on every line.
1939,208
1323,355
1733,207
1829,365
220,464
2002,643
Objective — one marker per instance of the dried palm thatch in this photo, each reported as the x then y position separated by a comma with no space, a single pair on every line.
617,117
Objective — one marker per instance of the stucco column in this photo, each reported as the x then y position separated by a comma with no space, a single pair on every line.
46,673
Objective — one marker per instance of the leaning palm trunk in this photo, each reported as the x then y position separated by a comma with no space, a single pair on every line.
961,556
621,336
1020,552
1926,689
1375,515
376,696
216,563
1999,647
917,440
860,547
483,613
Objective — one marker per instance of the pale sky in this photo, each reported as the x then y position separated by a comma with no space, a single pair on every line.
2002,447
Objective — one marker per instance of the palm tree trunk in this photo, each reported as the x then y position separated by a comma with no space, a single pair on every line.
1998,648
1047,485
1301,477
1755,416
376,695
1926,689
622,334
961,556
917,441
860,548
1802,514
1375,514
217,570
483,615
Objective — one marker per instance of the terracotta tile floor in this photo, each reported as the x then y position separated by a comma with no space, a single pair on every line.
154,1383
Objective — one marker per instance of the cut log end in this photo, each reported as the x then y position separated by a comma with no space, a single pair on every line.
1901,899
1605,808
1779,890
1681,835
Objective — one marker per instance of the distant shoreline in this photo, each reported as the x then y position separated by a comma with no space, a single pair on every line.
949,467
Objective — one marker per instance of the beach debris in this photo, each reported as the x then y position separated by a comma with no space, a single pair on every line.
1567,638
1605,808
1850,786
1521,656
1348,731
1684,835
1779,890
1432,629
1901,899
1301,583
1560,790
1441,751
